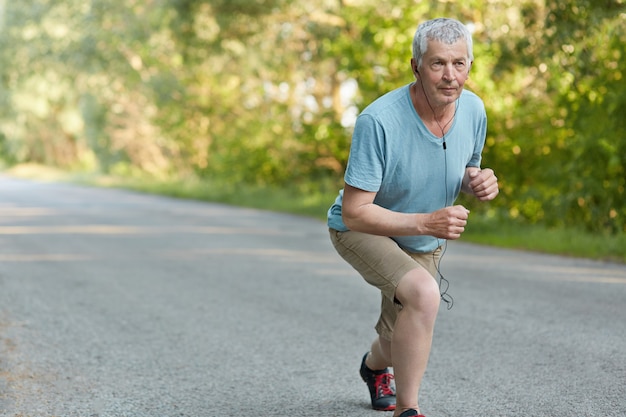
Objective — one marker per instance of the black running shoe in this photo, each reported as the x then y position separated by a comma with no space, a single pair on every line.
380,385
411,413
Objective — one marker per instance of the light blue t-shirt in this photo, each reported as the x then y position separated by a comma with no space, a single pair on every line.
395,155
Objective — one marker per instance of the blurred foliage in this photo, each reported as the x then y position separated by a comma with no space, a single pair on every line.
264,92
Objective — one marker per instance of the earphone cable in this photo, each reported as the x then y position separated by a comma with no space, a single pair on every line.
444,284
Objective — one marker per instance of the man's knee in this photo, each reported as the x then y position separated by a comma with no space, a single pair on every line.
418,290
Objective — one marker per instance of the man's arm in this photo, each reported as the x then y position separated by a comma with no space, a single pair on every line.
362,215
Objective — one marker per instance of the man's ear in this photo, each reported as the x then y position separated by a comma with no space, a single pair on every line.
414,68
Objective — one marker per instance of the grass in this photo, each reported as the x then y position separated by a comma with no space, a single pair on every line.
567,242
314,203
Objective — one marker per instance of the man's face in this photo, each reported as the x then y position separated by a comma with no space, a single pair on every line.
444,70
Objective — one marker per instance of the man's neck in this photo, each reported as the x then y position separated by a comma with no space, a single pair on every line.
438,119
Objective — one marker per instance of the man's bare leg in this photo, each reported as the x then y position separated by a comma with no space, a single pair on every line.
380,354
412,338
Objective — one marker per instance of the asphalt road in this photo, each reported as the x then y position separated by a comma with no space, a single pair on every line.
115,303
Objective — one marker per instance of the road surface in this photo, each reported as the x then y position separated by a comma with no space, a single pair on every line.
115,303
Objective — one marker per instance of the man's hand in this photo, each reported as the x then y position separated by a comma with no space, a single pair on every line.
482,183
448,222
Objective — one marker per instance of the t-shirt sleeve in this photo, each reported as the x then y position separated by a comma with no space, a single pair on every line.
479,141
366,162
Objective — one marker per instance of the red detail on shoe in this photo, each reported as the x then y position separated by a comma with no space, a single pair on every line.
390,408
384,388
383,385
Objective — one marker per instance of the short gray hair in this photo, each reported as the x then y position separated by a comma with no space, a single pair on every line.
443,30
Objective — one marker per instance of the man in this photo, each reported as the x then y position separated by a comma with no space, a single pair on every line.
413,150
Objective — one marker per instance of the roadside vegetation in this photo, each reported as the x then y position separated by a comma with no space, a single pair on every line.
252,102
482,229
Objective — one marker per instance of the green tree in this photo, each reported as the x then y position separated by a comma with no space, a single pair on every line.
256,91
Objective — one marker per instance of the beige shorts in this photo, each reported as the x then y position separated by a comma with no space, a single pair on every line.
382,263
